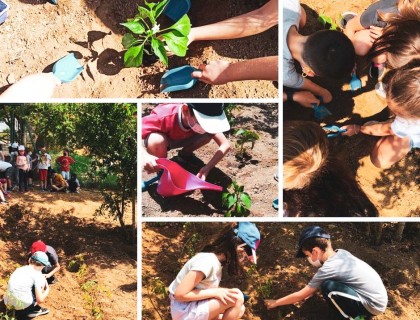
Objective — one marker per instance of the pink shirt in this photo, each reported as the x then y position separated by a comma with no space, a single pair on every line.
166,119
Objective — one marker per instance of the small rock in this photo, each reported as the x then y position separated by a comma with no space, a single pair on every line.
10,78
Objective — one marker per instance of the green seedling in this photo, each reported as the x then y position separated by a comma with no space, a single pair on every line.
158,287
236,201
328,22
245,139
146,34
229,115
265,289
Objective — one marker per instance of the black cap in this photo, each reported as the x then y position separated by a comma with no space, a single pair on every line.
208,109
310,232
210,116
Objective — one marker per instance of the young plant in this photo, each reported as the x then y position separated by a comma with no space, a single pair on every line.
145,32
265,289
236,201
229,113
243,139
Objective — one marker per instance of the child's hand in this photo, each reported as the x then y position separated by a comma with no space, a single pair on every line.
203,173
326,96
352,129
226,295
375,33
149,163
305,98
270,304
212,73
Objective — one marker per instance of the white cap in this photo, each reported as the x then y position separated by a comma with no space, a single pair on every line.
21,148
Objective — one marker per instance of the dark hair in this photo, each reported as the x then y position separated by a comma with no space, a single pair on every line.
226,243
34,262
401,43
403,90
329,54
311,243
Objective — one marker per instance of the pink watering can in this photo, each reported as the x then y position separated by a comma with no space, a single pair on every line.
176,180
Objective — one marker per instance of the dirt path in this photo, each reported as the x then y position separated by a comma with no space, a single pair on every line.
37,33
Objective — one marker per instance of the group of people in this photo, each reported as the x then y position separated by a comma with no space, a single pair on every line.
352,288
17,171
388,34
29,285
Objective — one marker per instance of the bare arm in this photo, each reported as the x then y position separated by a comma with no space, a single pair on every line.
247,24
224,147
56,268
221,72
291,298
316,90
42,293
377,129
352,27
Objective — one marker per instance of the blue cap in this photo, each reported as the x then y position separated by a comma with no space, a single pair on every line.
310,232
249,234
42,258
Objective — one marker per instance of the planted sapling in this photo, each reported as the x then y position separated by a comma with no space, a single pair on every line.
236,201
146,35
244,139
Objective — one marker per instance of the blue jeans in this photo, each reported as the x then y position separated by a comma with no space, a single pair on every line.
344,300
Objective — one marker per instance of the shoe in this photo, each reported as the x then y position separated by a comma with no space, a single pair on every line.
345,18
376,70
39,312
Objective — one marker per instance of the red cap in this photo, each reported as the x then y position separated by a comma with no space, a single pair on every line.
38,246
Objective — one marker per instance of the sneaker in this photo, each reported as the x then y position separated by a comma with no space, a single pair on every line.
376,70
39,312
345,17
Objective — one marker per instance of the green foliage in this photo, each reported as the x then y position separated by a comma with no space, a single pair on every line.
9,315
145,33
229,113
236,201
78,266
158,287
243,139
265,289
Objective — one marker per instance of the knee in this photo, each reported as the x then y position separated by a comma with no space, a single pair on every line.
157,144
239,297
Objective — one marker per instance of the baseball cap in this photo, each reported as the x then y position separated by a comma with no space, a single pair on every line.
21,148
310,232
249,234
41,257
38,246
211,116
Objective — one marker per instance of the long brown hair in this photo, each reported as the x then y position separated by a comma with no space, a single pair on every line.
226,243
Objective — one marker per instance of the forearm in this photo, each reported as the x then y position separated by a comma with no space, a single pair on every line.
195,295
289,299
248,24
265,68
220,153
378,129
53,271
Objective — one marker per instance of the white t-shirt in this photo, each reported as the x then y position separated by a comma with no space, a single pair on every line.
44,161
205,262
4,165
350,270
407,128
291,18
19,290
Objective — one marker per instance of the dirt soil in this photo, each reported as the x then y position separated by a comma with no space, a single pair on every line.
255,172
106,281
394,191
167,246
37,33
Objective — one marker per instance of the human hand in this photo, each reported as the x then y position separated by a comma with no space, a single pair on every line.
375,33
203,173
149,163
326,96
225,295
352,129
270,304
305,98
213,73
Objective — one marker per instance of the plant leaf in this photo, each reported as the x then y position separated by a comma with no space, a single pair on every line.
151,5
239,132
128,40
159,50
134,26
246,200
232,200
176,42
159,8
134,56
183,25
143,13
